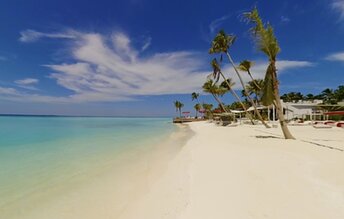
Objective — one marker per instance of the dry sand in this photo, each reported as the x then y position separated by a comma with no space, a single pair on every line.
250,172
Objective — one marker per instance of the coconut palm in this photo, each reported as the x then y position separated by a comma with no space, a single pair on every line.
267,43
339,93
208,107
228,84
254,87
309,97
328,96
178,105
197,108
221,44
245,66
194,96
215,91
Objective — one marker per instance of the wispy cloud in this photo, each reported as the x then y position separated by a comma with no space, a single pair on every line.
27,83
146,44
27,36
107,68
6,91
336,57
338,5
285,19
215,24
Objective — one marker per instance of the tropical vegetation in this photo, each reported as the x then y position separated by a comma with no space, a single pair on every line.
221,44
266,42
328,96
178,105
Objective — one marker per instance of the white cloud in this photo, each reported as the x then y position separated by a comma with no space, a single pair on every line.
4,91
27,36
285,19
109,68
338,5
120,73
336,57
215,24
146,44
27,81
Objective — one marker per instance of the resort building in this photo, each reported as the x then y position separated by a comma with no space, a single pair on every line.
303,110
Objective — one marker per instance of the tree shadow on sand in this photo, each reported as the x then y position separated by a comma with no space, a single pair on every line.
267,136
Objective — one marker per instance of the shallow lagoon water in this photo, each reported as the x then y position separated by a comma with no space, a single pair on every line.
40,155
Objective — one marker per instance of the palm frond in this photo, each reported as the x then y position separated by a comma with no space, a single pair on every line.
268,87
264,36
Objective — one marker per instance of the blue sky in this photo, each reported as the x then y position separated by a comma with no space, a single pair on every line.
136,57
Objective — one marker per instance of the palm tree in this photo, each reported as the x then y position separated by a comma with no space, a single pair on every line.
215,91
254,87
328,96
194,96
267,43
208,108
228,84
178,105
309,97
245,66
339,93
197,108
221,44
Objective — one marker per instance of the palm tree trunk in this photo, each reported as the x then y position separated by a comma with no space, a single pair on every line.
254,81
238,99
245,91
222,106
278,104
220,103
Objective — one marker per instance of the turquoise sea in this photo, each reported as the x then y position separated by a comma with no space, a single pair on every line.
40,153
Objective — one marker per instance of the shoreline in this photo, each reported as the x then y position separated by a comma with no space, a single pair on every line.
208,171
105,191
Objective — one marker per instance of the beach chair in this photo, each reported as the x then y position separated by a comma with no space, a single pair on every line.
321,126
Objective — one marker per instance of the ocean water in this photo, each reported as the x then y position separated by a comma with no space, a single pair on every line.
41,153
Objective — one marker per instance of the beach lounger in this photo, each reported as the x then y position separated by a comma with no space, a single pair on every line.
321,126
340,124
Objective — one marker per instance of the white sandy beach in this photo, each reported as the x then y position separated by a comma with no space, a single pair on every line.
233,174
222,172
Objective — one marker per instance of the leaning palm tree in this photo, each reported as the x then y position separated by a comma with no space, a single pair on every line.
254,87
197,108
194,96
228,84
245,66
221,44
215,91
267,43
